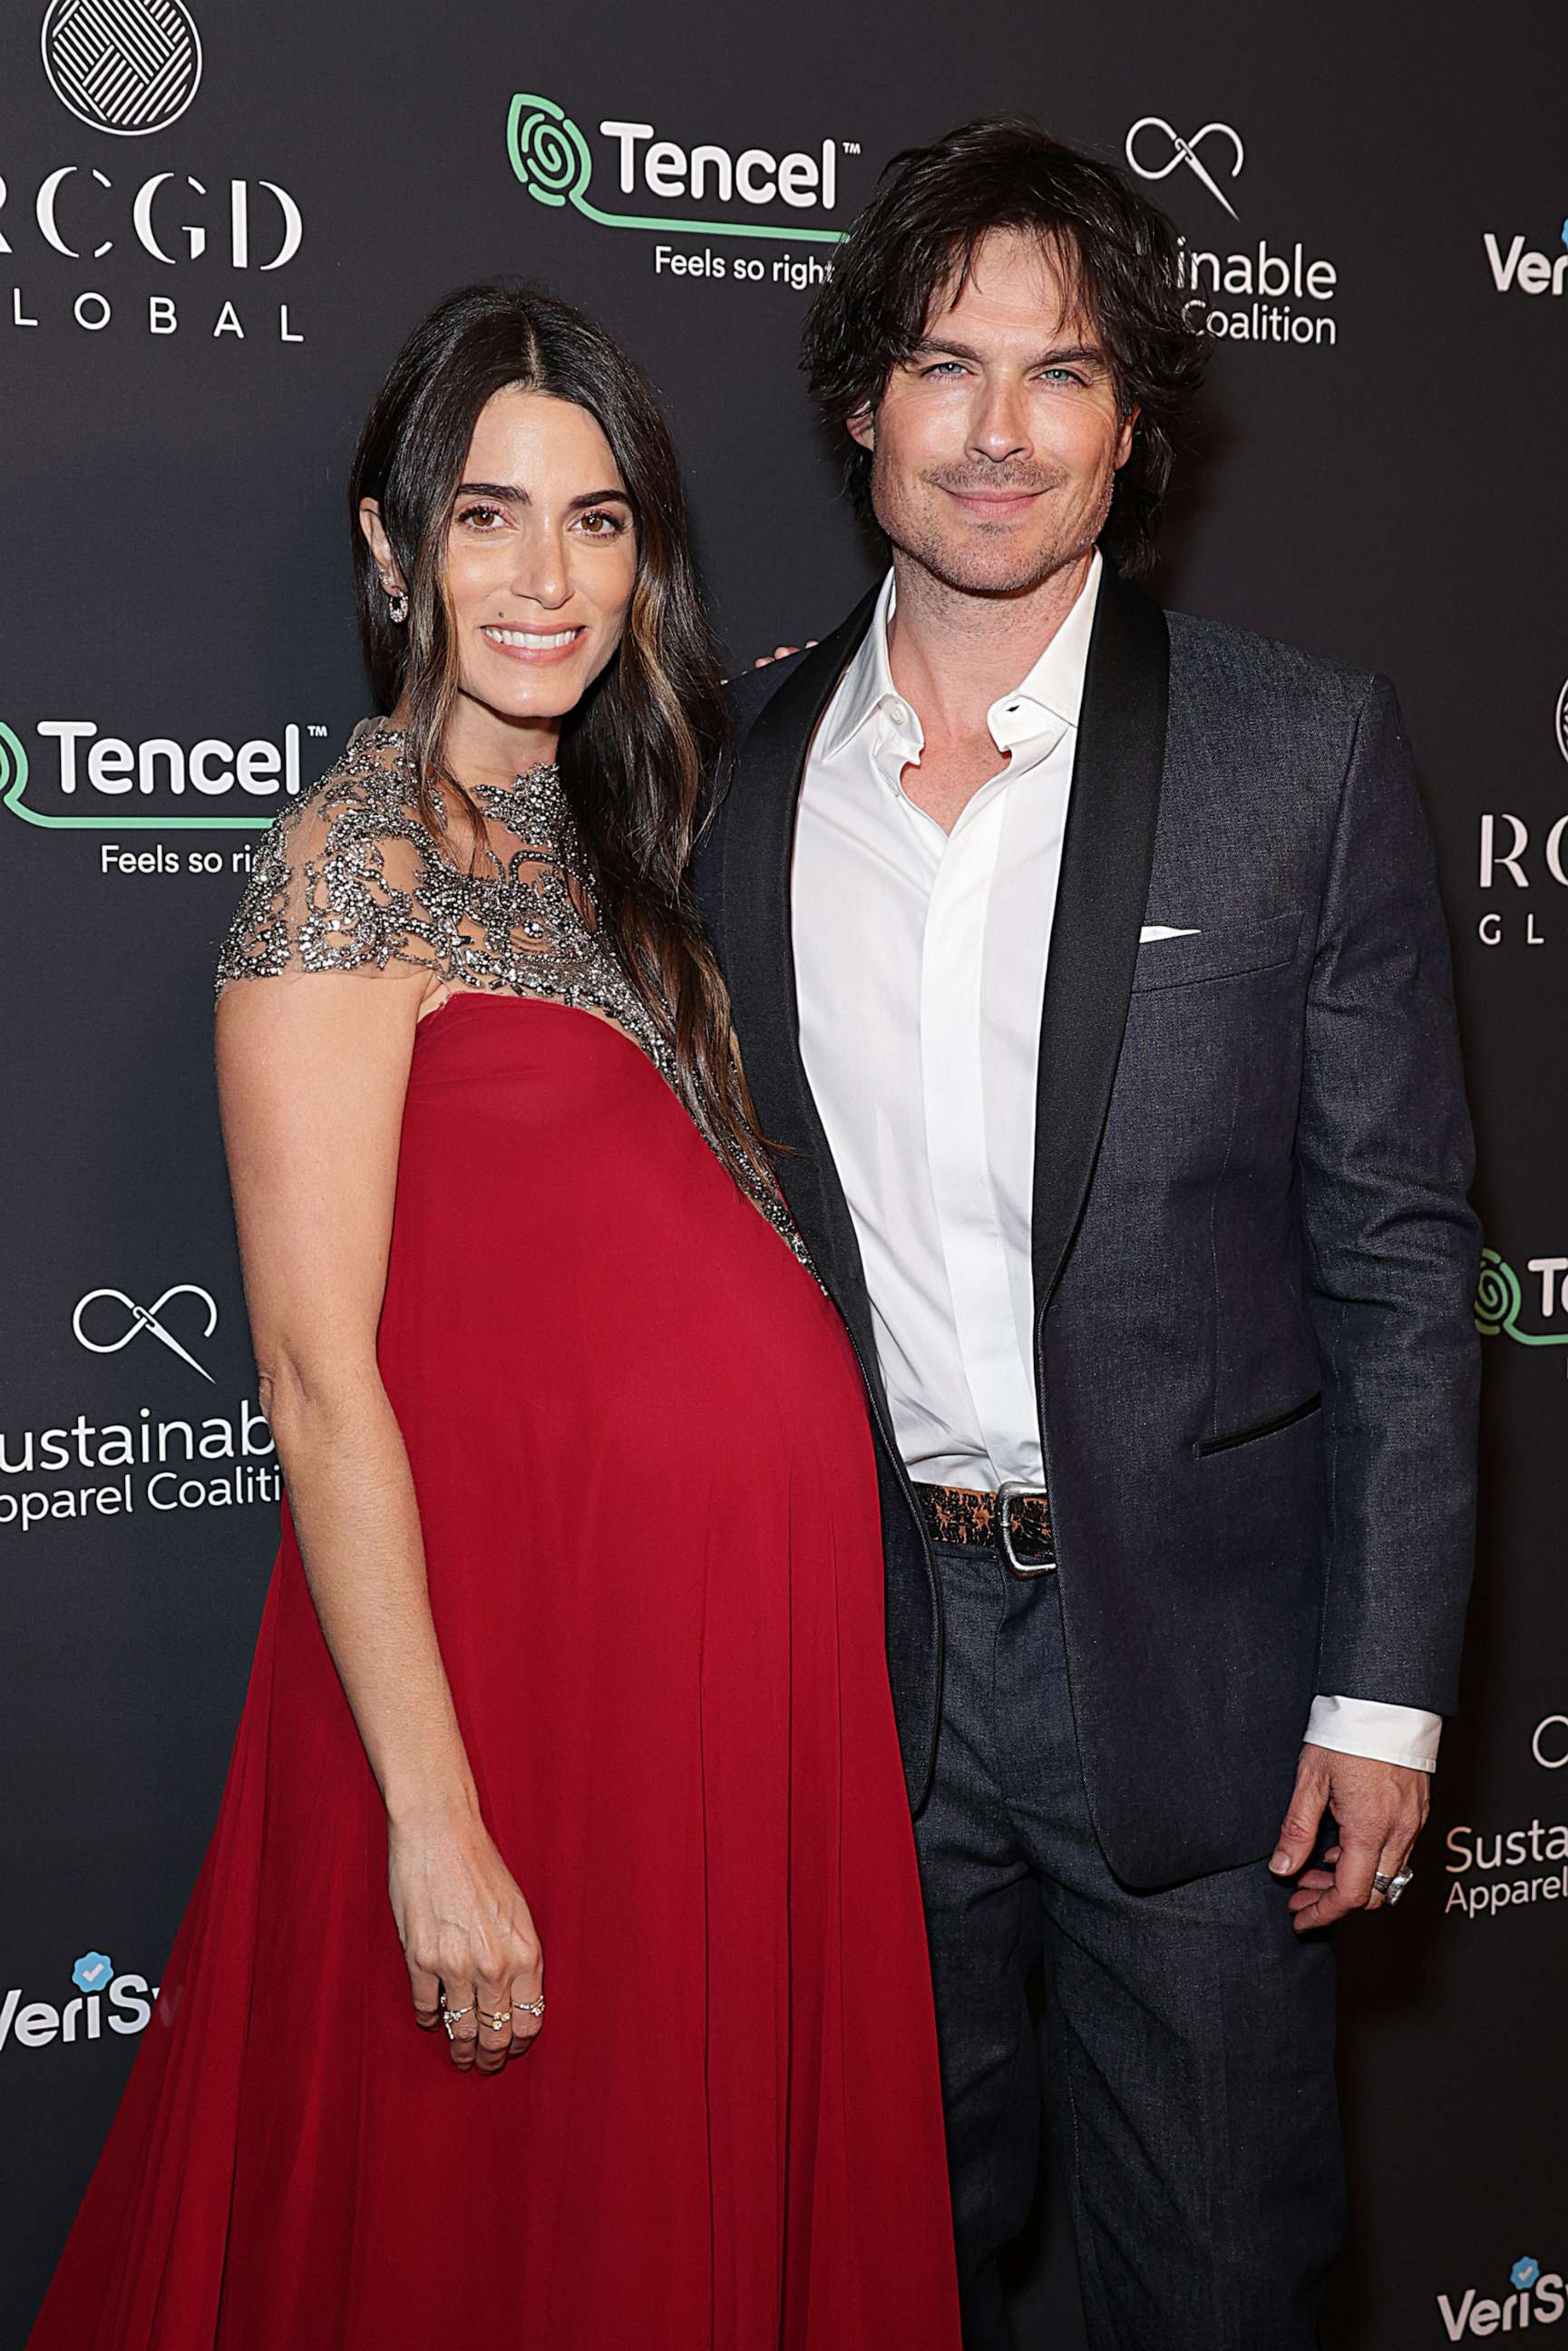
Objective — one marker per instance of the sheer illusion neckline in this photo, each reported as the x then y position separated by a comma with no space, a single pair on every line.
533,807
354,873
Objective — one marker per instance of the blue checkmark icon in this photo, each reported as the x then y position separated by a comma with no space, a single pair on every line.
92,1972
1525,2271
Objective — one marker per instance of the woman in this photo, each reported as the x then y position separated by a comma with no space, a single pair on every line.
574,1638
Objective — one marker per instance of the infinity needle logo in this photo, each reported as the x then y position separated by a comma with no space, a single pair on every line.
1185,151
145,1318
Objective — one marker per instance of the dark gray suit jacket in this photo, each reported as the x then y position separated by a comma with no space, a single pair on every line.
1254,1264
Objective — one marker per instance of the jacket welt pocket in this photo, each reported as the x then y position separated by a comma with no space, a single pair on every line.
1223,953
1264,1428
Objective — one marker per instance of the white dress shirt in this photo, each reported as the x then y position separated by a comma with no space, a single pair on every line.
920,964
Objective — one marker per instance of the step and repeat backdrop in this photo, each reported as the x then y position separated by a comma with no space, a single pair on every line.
217,223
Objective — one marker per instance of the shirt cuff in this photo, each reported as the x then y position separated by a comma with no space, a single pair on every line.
1384,1734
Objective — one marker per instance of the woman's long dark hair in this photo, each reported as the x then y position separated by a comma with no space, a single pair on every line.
639,750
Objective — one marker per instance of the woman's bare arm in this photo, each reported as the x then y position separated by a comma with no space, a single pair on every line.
312,1073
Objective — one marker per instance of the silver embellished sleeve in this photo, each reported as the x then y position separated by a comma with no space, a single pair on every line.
341,879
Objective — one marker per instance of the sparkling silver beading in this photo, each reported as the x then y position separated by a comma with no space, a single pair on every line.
349,874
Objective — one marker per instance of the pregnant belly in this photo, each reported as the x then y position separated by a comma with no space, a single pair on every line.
572,1267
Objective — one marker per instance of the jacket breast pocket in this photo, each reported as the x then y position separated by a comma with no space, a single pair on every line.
1225,952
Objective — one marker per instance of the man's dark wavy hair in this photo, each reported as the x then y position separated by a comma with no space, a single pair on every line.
915,246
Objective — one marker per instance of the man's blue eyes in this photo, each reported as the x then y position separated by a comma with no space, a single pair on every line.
1057,375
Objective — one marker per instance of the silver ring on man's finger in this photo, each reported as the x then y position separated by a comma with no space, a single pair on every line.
1391,1888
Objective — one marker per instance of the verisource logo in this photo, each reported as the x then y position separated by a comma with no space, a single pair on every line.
1518,267
1259,293
1537,2298
105,1996
126,67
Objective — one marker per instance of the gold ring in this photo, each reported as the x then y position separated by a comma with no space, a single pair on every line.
449,2017
498,2022
530,2007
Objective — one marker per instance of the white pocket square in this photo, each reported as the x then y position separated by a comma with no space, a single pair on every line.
1164,931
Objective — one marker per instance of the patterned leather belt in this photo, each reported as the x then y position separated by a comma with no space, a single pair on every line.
1015,1521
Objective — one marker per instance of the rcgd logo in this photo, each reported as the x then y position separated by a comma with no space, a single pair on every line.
126,67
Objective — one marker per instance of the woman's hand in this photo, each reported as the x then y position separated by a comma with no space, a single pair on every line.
780,653
468,1938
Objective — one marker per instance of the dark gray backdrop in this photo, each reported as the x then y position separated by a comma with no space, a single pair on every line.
1386,490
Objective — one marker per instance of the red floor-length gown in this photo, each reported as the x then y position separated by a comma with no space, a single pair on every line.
645,1483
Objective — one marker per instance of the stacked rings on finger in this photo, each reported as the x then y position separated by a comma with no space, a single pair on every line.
1391,1888
530,2007
498,2022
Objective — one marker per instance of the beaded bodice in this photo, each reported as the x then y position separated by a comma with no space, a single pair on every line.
351,875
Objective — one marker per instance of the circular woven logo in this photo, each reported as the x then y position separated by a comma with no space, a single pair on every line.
126,67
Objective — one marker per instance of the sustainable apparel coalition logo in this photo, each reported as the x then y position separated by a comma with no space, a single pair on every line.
1262,293
1184,150
126,66
145,1318
550,157
154,1459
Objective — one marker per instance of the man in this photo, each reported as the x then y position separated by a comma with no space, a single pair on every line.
1088,964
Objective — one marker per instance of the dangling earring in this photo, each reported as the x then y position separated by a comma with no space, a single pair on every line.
397,607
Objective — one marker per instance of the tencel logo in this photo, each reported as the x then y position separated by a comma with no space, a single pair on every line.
76,779
1502,1310
551,158
1537,2298
105,1997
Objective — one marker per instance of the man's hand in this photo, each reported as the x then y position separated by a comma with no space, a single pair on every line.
1379,1809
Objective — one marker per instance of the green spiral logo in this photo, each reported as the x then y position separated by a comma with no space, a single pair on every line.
1497,1296
550,154
1499,1303
551,158
14,776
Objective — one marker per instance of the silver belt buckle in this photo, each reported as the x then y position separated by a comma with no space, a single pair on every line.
1014,1490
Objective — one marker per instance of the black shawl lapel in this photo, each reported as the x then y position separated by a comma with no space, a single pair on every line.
1106,858
760,963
